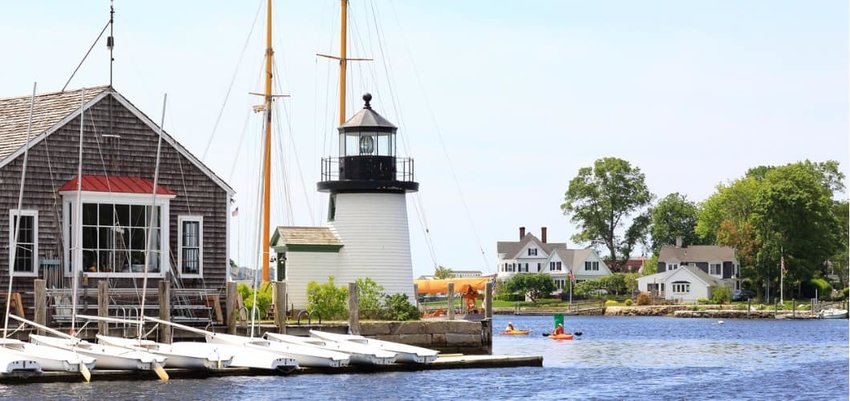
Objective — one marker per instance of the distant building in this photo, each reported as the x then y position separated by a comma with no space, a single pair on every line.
533,255
466,273
691,273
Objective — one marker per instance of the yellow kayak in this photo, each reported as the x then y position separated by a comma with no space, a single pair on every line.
514,332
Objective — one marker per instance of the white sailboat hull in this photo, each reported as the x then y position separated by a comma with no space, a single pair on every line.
183,355
305,356
108,357
358,353
49,358
404,353
833,313
13,364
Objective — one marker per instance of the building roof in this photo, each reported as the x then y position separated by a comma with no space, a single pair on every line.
368,118
697,272
51,111
511,248
99,183
697,253
48,110
284,236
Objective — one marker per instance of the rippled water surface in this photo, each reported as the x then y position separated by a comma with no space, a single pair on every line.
615,358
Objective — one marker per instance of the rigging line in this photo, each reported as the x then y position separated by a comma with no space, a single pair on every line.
78,251
86,56
442,143
153,213
297,160
232,80
418,197
14,248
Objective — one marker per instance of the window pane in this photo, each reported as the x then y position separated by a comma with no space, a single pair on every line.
137,239
23,258
122,214
105,215
106,262
137,216
89,214
105,238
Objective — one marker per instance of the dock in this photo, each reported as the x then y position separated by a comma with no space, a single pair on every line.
448,361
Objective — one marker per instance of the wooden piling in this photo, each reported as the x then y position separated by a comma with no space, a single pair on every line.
232,312
280,306
102,306
353,310
451,310
165,310
40,313
488,301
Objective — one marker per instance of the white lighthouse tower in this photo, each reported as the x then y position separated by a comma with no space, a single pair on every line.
367,209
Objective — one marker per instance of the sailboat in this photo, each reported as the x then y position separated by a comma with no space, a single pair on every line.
358,353
404,353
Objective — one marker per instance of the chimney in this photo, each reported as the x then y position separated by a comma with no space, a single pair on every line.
543,234
678,241
521,233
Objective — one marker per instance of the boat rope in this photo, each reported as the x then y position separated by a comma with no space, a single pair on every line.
14,248
153,214
232,80
86,56
487,265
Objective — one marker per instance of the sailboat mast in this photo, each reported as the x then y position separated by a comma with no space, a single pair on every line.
343,50
264,245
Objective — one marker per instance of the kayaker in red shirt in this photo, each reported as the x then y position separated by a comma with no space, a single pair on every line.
558,330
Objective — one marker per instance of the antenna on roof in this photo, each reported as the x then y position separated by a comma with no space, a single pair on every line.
109,44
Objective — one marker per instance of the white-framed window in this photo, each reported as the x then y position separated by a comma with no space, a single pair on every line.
591,266
559,283
532,251
190,243
672,266
681,287
715,269
25,261
115,232
555,266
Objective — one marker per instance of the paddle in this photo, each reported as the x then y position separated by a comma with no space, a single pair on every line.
578,333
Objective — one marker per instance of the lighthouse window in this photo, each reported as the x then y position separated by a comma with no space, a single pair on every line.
367,145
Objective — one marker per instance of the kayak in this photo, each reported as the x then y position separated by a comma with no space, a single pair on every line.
561,336
514,332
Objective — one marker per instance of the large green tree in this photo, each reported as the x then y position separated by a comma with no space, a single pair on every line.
673,216
442,272
601,199
532,285
773,212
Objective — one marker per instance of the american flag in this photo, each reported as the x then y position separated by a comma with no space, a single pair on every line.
572,276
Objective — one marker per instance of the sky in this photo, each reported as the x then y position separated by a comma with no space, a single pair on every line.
499,102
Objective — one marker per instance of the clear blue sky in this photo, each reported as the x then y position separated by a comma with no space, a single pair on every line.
516,96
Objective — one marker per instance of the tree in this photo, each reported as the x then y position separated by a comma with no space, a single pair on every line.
600,200
532,285
673,216
442,272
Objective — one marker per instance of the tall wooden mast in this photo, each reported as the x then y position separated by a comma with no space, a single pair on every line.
267,162
343,50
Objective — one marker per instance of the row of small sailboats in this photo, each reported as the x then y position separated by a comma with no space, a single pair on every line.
274,352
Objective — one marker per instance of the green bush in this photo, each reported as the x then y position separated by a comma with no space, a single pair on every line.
327,300
628,302
369,295
398,307
721,294
703,301
264,298
822,286
611,302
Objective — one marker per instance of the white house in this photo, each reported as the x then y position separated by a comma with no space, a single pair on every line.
705,267
533,255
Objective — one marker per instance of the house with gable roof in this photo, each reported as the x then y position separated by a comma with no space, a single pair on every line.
693,272
111,209
533,255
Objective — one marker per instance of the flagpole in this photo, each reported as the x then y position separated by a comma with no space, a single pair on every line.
781,274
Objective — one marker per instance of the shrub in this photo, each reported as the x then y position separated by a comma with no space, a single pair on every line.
264,298
610,302
369,295
703,301
628,302
822,286
398,307
327,300
721,294
644,299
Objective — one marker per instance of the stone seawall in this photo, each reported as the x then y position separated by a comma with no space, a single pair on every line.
648,310
447,336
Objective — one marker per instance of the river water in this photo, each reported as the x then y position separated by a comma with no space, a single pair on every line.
628,358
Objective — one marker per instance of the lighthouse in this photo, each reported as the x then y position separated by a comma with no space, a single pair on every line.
367,208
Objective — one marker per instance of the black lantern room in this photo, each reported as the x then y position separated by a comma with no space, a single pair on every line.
367,157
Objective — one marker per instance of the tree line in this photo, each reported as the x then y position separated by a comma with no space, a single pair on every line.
773,215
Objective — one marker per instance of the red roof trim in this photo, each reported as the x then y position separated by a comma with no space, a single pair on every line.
131,185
